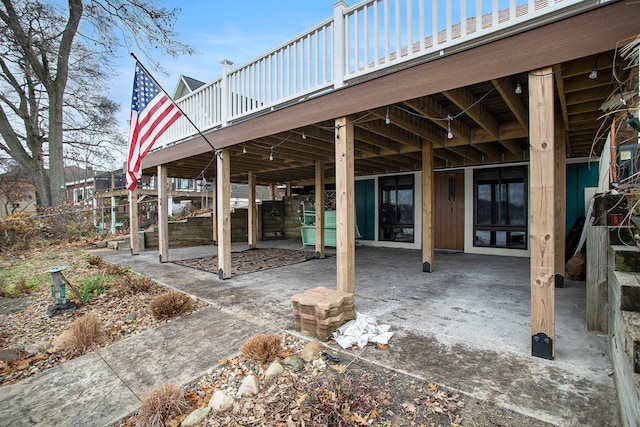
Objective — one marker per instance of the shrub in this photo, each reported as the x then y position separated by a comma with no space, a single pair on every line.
160,404
138,285
114,269
16,231
86,332
95,261
170,304
91,286
339,403
262,348
22,287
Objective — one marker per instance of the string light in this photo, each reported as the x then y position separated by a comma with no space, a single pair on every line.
449,133
518,89
271,153
244,149
386,120
304,136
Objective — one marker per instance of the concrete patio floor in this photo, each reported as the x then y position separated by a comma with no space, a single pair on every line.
466,325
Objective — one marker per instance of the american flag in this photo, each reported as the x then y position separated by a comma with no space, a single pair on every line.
152,112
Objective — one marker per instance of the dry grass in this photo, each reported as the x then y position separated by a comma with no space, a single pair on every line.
83,334
170,304
95,261
136,285
262,348
160,404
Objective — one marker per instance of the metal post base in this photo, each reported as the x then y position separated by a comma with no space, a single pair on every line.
57,309
542,346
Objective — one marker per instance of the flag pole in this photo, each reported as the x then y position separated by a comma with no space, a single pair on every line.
174,103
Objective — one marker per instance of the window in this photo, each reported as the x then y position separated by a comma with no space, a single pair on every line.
396,221
500,215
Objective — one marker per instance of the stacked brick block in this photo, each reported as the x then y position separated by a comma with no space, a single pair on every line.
320,311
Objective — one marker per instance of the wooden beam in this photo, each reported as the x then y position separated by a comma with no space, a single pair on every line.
252,229
466,101
319,203
542,198
428,107
133,221
427,207
505,88
345,207
214,210
224,214
163,215
560,145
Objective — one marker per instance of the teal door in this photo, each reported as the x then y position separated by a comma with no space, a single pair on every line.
365,195
579,176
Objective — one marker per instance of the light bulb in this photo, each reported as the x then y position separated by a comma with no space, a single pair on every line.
449,133
386,120
244,150
594,73
271,154
304,136
518,89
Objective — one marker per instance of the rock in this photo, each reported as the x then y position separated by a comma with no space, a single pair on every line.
295,363
311,351
9,355
196,417
273,370
221,401
61,340
249,386
37,348
319,364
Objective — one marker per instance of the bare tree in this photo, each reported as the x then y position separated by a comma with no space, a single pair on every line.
55,60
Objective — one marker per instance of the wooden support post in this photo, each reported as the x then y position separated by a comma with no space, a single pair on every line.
345,206
272,191
252,229
288,190
214,211
542,213
561,199
319,209
163,214
597,282
223,171
133,221
427,207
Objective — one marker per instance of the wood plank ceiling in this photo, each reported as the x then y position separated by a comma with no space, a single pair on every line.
489,125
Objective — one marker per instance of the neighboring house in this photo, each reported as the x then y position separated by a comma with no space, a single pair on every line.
185,86
485,135
17,194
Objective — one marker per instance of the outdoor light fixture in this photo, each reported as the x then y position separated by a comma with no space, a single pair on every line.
303,135
386,120
594,71
518,89
449,133
633,121
271,153
244,149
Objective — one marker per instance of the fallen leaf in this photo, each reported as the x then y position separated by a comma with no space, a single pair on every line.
300,400
339,368
358,419
432,386
409,407
383,347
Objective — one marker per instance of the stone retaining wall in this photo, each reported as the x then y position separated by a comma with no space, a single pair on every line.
624,329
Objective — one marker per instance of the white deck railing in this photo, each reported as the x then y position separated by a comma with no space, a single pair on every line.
356,41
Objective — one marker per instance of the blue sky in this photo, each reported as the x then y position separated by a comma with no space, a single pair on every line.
238,30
